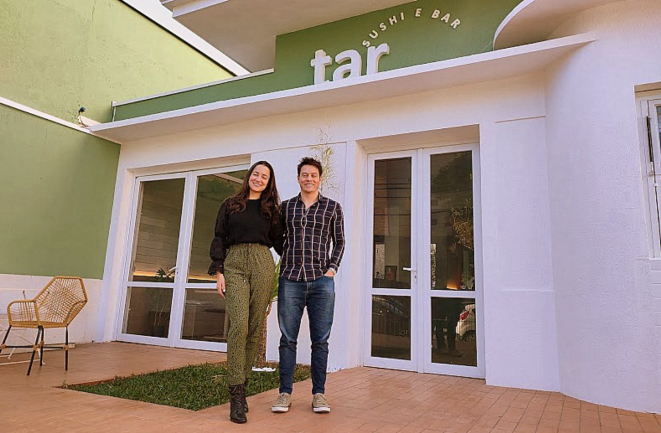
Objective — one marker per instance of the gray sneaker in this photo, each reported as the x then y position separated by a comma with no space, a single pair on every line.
282,404
319,403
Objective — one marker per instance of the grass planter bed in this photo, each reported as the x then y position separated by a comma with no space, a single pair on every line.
194,387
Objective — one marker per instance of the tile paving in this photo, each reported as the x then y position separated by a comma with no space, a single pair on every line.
362,400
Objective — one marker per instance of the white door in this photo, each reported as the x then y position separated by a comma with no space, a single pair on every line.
425,304
168,297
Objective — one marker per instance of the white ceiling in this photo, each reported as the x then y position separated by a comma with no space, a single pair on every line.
245,30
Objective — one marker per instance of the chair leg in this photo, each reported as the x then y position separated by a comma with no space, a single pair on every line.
34,349
4,340
66,350
41,349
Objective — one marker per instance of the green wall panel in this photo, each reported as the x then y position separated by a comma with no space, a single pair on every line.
412,40
60,54
56,193
221,92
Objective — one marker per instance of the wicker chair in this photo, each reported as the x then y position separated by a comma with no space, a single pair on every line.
54,307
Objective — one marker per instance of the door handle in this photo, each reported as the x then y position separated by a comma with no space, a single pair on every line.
414,273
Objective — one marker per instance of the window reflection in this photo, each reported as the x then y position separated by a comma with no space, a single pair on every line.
148,311
212,190
454,331
452,243
392,224
205,317
157,231
391,327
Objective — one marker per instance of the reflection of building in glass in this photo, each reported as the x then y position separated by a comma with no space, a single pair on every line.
452,221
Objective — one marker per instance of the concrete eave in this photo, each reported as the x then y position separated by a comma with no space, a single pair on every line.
245,30
415,79
534,20
163,19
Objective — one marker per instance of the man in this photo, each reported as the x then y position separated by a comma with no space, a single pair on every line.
312,222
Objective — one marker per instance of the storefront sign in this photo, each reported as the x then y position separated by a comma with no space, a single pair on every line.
436,14
350,62
351,69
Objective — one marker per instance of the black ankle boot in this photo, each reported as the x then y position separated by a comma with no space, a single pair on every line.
244,401
237,396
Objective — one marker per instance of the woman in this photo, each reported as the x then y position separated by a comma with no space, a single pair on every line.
248,225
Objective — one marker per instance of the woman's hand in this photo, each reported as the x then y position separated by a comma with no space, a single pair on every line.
330,273
220,284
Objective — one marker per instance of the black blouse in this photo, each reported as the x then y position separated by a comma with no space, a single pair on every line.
247,227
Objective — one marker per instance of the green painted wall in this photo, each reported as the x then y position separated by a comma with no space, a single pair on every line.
60,54
56,193
413,41
221,92
57,184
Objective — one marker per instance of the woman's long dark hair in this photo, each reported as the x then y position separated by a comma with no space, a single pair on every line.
270,198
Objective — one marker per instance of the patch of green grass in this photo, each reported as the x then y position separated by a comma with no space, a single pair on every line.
194,387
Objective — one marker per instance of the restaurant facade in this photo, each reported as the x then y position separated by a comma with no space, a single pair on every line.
497,164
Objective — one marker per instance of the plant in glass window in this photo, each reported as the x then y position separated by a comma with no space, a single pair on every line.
160,300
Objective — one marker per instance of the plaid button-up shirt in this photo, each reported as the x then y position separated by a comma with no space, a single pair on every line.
308,235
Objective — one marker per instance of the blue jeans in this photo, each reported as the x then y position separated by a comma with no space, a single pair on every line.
319,298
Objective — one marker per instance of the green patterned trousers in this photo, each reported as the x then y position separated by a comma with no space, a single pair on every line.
249,274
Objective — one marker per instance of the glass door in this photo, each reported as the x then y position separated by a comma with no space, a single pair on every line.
205,322
424,306
150,278
451,304
393,275
169,298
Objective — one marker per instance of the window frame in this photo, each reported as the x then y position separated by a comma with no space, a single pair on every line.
180,285
649,107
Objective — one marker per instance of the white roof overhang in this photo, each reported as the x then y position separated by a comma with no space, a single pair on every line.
477,68
245,30
534,20
161,17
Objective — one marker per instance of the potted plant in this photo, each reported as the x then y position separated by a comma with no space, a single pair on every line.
160,300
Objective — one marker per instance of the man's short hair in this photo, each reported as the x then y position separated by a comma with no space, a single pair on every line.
310,161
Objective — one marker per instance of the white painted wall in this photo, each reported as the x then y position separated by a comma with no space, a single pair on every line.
605,311
81,329
519,306
517,276
654,267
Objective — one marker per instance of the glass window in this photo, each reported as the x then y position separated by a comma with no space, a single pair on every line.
658,122
452,244
454,331
157,231
205,318
652,169
392,224
148,311
212,190
391,327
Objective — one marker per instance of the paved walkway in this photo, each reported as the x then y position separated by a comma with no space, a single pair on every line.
362,400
